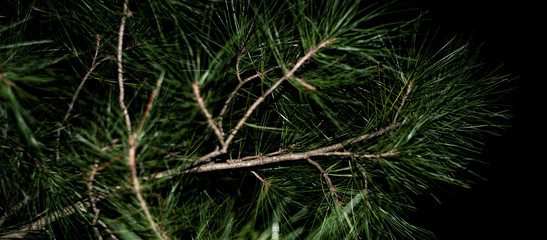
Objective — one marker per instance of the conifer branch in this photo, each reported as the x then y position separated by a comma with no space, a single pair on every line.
92,200
236,89
132,136
94,65
281,156
264,181
408,89
121,101
150,102
289,74
325,174
201,104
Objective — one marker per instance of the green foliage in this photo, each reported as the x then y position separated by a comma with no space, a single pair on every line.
320,119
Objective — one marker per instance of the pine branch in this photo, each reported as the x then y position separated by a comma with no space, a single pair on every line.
325,174
212,124
132,142
94,64
289,74
254,161
264,181
408,89
41,223
121,101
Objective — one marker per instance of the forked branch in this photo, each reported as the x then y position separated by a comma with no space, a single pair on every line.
288,75
325,174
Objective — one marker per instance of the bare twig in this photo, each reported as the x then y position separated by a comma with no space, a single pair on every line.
92,200
201,104
325,174
239,56
277,157
136,184
236,89
132,136
264,181
6,81
305,84
94,65
408,89
150,102
363,171
126,14
235,164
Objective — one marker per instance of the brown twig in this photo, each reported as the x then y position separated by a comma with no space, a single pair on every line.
325,174
331,150
121,101
408,89
363,171
234,164
94,65
264,181
14,208
150,102
305,84
132,136
201,104
90,178
236,89
239,56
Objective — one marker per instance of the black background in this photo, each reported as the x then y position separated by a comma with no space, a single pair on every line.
507,204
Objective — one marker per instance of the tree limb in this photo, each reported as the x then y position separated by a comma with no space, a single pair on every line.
325,174
201,104
281,156
289,74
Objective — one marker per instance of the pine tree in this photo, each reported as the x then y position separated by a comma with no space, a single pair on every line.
181,119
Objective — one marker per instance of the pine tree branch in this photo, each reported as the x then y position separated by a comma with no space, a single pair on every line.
94,65
150,102
212,124
121,101
252,161
52,217
408,89
264,181
325,174
280,156
236,89
132,136
289,74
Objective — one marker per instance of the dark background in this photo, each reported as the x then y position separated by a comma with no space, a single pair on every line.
507,204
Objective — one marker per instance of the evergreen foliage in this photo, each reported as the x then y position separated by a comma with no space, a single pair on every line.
181,119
